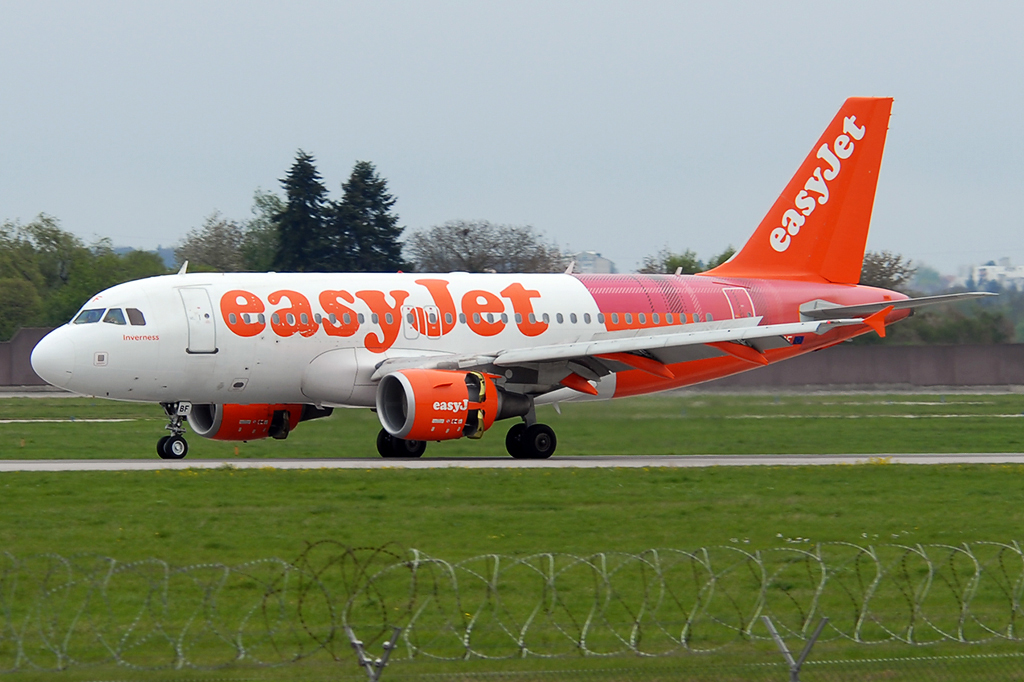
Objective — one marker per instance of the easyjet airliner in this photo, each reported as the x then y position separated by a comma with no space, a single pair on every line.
442,356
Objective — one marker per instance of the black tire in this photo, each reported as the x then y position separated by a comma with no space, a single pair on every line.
514,440
389,446
539,442
408,448
176,447
384,444
160,447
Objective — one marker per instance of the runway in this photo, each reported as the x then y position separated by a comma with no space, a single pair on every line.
604,462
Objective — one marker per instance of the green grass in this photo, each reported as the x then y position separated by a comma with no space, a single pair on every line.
191,516
679,425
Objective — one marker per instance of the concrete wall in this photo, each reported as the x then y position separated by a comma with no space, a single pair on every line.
845,365
15,368
848,365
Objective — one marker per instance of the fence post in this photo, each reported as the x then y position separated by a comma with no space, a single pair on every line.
794,665
373,666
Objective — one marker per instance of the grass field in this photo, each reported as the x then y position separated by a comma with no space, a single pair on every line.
669,425
191,516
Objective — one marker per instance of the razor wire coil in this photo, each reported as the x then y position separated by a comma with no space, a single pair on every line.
57,612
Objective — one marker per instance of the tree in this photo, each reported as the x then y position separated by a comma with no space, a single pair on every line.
722,257
481,246
302,244
259,243
20,305
886,270
363,228
216,246
666,262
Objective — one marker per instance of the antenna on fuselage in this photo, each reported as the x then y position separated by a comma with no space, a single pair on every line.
572,266
184,267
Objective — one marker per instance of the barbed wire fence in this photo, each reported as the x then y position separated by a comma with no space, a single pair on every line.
60,612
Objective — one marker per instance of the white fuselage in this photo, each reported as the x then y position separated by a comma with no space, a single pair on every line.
193,348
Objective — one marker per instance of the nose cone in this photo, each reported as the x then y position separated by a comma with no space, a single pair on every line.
53,358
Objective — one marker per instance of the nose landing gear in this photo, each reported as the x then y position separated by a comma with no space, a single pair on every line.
174,446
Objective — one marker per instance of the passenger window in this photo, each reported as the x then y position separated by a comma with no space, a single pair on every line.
232,318
629,318
643,318
114,316
615,318
709,318
362,318
600,318
668,318
586,318
462,318
448,319
559,318
504,318
654,318
375,318
136,317
572,317
389,318
546,318
519,318
89,316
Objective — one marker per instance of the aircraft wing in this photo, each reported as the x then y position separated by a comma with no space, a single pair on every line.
650,350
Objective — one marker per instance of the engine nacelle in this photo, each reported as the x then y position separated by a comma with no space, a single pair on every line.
437,404
250,422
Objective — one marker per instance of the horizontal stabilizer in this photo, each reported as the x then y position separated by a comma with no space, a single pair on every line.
823,310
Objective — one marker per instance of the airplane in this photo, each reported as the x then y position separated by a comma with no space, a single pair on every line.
243,356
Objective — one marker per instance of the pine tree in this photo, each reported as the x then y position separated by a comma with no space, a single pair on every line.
302,245
364,229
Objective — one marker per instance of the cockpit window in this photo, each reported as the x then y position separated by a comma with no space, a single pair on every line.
89,316
114,316
135,317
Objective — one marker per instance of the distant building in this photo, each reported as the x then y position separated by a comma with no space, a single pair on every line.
1001,273
590,263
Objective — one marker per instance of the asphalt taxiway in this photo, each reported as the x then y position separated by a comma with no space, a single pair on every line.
601,462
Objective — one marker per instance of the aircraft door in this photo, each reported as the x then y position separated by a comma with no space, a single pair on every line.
202,330
739,301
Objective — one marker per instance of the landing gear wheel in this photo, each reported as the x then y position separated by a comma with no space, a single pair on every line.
514,441
389,446
175,447
160,446
539,442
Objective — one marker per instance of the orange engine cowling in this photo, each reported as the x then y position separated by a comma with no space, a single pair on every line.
250,422
436,404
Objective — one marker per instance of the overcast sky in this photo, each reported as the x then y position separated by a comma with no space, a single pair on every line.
615,127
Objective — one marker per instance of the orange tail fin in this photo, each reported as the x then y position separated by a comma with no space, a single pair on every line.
817,228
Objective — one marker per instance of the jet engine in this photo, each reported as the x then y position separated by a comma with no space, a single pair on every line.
250,422
438,404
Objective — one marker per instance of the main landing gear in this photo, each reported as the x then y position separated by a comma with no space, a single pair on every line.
389,446
536,441
174,446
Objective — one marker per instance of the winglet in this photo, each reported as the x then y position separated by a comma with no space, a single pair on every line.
877,320
184,268
572,266
578,383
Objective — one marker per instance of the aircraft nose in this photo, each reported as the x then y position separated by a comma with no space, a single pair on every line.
53,358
